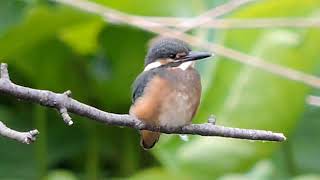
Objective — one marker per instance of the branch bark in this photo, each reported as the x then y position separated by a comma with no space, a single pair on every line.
64,104
233,23
23,137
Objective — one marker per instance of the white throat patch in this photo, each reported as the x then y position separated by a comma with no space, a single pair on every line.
152,66
184,66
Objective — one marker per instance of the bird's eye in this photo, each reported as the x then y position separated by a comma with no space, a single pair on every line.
172,56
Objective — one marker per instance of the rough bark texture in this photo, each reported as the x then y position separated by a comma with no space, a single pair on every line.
64,104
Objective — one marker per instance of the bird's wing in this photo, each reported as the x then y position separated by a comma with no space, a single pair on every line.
140,83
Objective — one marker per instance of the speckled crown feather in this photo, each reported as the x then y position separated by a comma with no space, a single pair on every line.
163,47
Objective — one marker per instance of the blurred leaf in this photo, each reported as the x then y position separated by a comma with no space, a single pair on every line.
83,37
262,170
307,177
122,50
305,144
153,8
301,149
157,174
41,48
61,175
11,12
24,36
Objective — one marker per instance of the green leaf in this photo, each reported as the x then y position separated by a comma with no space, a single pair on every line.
83,38
307,177
49,20
61,175
153,8
120,60
157,174
11,12
303,144
262,170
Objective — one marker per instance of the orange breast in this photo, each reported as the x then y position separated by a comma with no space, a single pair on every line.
147,107
169,100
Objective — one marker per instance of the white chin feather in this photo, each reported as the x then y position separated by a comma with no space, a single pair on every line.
184,66
152,66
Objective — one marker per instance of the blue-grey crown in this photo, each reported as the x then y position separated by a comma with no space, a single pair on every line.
165,47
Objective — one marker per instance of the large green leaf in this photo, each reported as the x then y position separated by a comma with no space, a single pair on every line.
118,62
304,144
242,96
49,22
27,48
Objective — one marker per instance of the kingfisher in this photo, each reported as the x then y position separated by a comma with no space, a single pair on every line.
167,92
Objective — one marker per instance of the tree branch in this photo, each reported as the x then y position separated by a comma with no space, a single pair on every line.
212,14
241,23
67,104
23,137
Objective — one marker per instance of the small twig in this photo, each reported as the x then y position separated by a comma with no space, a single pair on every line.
65,116
63,110
212,119
54,100
4,75
212,14
314,100
243,23
23,137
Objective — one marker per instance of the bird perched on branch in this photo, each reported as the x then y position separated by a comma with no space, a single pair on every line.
168,91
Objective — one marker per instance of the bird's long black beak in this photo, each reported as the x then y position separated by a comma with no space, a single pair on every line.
195,55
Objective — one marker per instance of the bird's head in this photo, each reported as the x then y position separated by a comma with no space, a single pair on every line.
170,52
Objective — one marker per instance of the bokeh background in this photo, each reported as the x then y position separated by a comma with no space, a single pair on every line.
54,47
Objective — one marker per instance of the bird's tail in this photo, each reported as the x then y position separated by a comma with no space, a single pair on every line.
148,139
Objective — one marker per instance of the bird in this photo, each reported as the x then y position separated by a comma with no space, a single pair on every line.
168,91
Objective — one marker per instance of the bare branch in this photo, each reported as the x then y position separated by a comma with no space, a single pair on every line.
314,100
142,23
23,137
211,14
54,100
238,23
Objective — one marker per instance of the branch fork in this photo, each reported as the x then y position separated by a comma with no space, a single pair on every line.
62,109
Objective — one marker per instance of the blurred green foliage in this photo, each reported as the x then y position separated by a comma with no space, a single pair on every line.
49,46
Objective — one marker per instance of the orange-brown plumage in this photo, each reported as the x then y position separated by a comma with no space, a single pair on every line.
146,109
